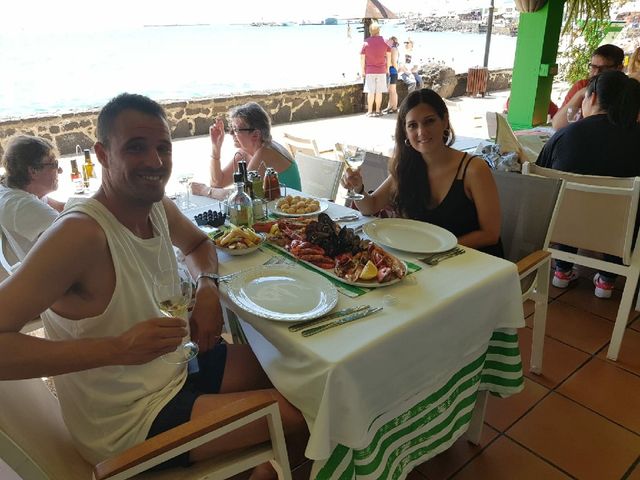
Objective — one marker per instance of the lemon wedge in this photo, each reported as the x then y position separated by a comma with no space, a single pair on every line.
369,271
274,230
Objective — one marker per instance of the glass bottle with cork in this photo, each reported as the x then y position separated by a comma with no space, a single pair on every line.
240,204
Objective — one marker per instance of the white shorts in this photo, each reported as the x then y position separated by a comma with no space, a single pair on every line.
375,83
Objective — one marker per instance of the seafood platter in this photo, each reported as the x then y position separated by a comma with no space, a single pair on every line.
336,251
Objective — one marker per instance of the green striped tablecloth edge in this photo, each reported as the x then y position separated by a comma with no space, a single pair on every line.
421,431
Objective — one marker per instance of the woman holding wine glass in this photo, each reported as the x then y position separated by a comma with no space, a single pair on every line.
432,182
250,128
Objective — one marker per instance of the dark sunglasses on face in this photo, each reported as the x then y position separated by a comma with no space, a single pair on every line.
234,130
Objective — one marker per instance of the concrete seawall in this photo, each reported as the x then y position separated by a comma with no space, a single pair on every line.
193,117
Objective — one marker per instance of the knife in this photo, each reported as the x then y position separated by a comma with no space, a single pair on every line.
349,318
296,327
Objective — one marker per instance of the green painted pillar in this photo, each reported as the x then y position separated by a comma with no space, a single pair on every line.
535,65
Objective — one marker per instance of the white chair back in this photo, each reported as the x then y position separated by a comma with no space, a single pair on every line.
36,444
34,440
320,177
7,268
300,145
599,214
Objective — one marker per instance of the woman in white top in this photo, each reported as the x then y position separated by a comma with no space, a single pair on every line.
31,173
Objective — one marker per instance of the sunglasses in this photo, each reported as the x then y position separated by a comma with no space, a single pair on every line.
600,68
234,130
55,164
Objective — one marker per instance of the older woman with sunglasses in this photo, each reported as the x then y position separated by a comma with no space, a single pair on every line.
250,127
31,173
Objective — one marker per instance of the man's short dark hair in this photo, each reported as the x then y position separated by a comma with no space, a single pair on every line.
611,52
125,101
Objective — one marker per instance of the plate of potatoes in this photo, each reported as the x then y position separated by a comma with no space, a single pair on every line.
297,206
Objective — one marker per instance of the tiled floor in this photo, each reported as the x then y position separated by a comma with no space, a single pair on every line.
580,419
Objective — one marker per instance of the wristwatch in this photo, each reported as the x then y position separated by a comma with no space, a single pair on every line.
213,276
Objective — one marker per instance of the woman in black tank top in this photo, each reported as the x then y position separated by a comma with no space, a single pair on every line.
432,182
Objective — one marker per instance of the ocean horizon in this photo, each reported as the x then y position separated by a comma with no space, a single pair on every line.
58,72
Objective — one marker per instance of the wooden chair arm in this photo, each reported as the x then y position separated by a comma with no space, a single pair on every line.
531,260
181,434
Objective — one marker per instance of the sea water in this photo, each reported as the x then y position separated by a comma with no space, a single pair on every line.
44,73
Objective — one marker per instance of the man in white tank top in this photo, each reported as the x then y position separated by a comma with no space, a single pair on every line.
90,279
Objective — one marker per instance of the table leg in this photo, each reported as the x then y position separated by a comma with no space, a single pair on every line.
477,419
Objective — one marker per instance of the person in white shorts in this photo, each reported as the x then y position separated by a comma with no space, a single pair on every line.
375,59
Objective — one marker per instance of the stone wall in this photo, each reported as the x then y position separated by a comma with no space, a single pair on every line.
193,117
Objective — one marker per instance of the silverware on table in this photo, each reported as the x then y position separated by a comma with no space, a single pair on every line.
431,256
436,260
336,323
275,260
296,327
347,218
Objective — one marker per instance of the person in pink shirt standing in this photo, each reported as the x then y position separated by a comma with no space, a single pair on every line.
375,57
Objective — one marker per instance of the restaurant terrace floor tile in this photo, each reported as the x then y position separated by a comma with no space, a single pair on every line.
577,440
576,327
501,413
608,390
582,297
559,360
506,460
629,356
442,466
635,473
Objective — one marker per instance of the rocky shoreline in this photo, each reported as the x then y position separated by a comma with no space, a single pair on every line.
448,24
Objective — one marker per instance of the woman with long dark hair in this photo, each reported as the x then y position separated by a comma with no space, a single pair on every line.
604,142
432,182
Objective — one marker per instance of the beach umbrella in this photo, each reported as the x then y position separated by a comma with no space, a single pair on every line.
375,9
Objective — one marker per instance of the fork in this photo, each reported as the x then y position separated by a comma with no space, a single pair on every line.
433,256
432,262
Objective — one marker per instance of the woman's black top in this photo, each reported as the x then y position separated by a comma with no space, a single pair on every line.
457,212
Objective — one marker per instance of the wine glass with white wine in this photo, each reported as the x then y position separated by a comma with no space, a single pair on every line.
185,179
172,293
354,158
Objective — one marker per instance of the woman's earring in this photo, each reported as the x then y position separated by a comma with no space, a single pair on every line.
446,134
406,142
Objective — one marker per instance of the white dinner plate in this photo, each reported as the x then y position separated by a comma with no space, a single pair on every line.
410,235
272,206
282,292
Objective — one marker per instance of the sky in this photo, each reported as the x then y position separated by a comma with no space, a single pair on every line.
85,14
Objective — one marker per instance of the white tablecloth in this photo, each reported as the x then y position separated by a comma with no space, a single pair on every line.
348,379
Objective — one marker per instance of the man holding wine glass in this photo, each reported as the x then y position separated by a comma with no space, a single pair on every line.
91,278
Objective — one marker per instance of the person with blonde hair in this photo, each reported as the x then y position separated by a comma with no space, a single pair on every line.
375,58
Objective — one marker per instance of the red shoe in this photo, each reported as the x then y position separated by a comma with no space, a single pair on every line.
562,279
603,289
